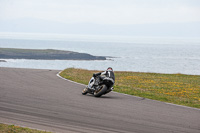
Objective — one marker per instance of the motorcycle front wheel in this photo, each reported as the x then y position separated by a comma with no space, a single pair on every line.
85,91
99,92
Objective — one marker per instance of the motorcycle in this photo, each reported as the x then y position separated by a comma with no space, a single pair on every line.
101,86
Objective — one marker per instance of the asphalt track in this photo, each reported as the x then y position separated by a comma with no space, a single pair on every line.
40,99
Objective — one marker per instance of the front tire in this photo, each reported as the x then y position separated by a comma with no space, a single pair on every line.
99,92
85,91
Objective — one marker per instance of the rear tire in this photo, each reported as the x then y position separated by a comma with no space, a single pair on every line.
102,90
85,91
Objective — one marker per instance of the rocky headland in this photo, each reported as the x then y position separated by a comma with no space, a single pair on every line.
45,54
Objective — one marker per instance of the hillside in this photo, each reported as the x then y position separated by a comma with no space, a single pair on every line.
45,54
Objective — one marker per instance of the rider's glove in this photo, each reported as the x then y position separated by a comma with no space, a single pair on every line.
94,75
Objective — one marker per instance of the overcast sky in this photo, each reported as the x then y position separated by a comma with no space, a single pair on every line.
102,17
103,11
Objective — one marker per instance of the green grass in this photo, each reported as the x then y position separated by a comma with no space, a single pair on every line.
16,129
173,88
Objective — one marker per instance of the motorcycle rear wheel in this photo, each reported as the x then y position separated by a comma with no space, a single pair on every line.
99,92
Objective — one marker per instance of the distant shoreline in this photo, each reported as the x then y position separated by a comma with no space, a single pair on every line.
45,54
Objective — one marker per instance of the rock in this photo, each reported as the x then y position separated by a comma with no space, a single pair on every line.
3,61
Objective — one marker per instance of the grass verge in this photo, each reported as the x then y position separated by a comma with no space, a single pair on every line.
16,129
173,88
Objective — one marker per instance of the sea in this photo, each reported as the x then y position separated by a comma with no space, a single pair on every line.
136,54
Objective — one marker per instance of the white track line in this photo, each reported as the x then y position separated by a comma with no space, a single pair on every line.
58,74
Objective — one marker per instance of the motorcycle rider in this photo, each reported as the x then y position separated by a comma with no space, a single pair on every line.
106,74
